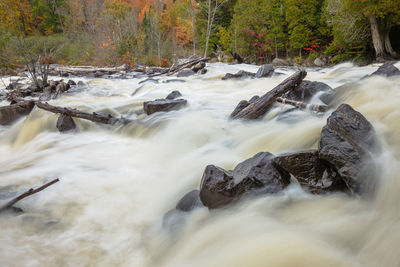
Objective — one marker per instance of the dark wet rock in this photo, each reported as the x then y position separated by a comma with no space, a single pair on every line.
243,104
348,142
307,90
174,81
199,66
185,73
157,105
315,175
9,114
65,123
190,201
265,71
257,175
173,95
203,71
81,84
71,82
387,69
239,75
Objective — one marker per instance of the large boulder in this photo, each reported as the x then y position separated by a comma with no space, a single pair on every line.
239,75
65,123
257,175
9,114
317,176
387,69
348,142
157,105
265,71
306,90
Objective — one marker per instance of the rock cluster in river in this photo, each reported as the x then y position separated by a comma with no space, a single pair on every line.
342,163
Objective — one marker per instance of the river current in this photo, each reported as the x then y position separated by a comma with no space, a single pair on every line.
117,182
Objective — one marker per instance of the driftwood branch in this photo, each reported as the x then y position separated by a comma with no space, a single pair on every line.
85,70
265,102
95,117
27,194
303,105
176,68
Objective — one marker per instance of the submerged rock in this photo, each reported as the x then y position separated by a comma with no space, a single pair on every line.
265,71
65,123
157,105
190,201
174,94
306,90
257,175
9,114
387,69
348,142
314,174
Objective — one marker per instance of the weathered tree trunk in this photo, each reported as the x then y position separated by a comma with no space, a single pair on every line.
79,114
388,45
376,37
193,26
265,102
302,105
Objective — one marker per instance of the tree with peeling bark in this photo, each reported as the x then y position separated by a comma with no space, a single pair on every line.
382,15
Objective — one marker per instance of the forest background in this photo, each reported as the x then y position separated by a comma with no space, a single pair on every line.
157,32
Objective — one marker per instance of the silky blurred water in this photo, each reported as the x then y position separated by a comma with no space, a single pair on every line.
117,182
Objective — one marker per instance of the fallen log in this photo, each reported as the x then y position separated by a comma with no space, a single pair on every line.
28,193
85,70
302,105
265,102
95,117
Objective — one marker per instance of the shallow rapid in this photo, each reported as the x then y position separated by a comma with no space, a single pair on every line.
117,182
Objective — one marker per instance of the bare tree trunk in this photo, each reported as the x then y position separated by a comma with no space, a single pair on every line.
276,48
208,28
193,26
376,37
388,45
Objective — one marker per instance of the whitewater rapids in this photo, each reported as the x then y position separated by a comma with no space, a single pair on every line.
117,182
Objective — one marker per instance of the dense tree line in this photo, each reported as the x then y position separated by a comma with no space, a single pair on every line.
106,32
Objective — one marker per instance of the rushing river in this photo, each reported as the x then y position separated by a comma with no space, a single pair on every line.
117,182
